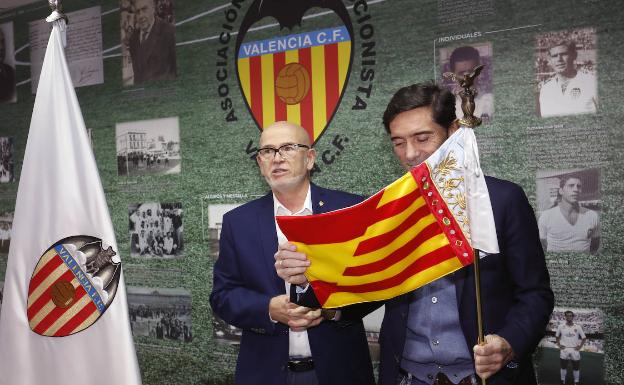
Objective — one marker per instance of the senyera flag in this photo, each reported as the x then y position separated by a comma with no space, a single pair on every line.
414,231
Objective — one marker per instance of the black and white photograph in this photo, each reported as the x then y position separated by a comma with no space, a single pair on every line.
462,60
572,351
566,72
84,51
224,332
215,221
6,223
148,147
568,209
156,230
6,155
8,93
160,313
148,42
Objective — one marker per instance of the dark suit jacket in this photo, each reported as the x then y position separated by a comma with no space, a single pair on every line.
516,295
155,58
244,282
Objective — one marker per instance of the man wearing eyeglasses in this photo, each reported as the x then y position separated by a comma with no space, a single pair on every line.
428,336
282,343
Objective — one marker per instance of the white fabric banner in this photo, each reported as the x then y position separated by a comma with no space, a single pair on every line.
469,200
64,318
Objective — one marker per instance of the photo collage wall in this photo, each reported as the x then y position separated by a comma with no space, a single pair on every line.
175,95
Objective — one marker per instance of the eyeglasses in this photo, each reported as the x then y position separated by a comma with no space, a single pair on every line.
286,151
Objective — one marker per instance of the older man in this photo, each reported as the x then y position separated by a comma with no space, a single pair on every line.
569,91
428,335
282,343
152,45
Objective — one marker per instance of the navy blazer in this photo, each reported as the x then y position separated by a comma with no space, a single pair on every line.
244,282
516,295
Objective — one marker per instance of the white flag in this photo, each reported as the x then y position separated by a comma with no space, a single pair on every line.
64,319
457,173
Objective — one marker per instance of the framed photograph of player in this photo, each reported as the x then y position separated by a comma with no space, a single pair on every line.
212,233
156,230
463,59
148,147
160,313
565,68
572,350
6,156
568,210
8,92
148,46
6,223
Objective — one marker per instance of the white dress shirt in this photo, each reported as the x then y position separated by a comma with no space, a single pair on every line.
298,343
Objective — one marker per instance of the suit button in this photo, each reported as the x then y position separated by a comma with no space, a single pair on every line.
434,299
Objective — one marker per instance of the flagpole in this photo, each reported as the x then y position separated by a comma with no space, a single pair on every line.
477,275
467,95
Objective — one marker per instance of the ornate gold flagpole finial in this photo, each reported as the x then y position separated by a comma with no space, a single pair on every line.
467,94
57,12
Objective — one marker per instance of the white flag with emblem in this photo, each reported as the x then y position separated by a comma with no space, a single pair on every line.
64,319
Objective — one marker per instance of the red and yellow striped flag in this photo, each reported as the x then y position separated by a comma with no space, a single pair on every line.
401,238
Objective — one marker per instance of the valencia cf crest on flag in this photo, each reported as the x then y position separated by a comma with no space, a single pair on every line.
299,76
73,284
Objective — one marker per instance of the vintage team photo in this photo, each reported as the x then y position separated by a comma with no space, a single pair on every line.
156,230
160,313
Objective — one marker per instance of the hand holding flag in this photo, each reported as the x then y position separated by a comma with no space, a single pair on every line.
416,230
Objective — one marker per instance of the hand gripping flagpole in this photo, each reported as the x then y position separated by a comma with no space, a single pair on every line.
468,94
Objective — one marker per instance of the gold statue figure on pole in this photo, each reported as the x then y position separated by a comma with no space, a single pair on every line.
467,94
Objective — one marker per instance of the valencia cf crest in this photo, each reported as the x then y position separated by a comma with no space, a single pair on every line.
300,74
73,284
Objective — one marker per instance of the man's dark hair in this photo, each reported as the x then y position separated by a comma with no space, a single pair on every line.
462,54
569,44
441,100
568,312
564,179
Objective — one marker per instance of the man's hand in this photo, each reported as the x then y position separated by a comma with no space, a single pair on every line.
278,308
491,356
302,318
298,318
290,264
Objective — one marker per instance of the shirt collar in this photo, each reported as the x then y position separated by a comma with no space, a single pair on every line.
278,207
